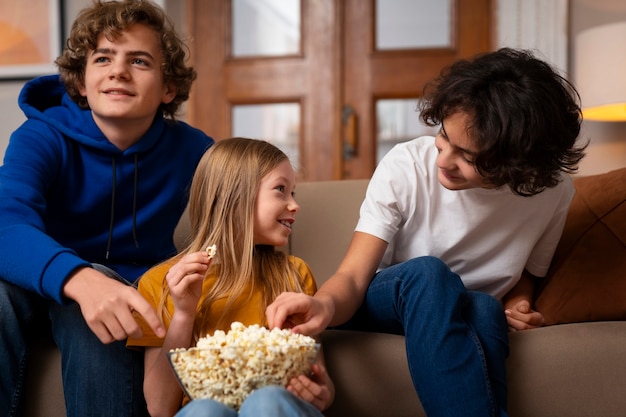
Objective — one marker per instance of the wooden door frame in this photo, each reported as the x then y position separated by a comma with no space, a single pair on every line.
226,81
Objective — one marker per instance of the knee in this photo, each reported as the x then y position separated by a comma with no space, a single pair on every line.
431,274
270,399
270,393
429,265
205,408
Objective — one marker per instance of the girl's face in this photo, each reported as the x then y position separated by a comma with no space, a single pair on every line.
456,155
275,206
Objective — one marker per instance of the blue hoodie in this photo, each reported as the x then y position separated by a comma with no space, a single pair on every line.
69,197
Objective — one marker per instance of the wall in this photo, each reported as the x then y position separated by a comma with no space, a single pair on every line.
607,148
11,117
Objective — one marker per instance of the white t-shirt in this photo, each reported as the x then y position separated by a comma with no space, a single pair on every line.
486,236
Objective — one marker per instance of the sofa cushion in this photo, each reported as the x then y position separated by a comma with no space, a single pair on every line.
329,211
587,279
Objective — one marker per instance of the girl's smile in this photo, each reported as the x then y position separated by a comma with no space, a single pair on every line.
275,206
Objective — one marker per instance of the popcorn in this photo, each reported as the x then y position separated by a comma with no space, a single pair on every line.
227,367
211,250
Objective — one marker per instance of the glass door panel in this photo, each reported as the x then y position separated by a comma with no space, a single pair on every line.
277,123
398,120
265,28
413,24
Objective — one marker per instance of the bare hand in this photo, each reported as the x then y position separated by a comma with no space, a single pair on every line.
300,312
318,389
185,281
108,305
520,316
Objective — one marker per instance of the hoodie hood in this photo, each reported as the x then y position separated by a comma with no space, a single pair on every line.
45,99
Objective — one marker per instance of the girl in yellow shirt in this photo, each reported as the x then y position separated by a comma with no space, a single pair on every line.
242,201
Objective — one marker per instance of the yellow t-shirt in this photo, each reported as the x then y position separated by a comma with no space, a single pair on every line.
246,310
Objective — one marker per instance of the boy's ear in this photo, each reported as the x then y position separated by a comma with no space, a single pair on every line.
169,93
82,90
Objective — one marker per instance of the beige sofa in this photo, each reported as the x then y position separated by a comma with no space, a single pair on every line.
573,370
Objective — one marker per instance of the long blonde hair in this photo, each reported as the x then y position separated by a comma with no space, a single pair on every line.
221,211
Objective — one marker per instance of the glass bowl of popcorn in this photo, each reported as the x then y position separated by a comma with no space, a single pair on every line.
228,366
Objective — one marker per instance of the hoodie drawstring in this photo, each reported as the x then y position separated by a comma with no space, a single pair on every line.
135,201
112,208
113,191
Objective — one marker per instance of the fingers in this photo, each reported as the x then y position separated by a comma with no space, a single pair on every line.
523,321
185,278
102,332
110,327
278,311
295,311
112,317
145,310
316,388
309,391
191,264
311,327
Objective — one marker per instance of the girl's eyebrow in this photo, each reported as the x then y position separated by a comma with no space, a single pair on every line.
280,178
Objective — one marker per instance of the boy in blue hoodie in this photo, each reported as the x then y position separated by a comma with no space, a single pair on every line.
91,189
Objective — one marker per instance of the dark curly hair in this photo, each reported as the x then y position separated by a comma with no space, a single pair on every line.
111,18
525,117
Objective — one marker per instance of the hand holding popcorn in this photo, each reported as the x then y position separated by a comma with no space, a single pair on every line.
185,278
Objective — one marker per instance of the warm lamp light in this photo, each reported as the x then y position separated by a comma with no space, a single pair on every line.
600,65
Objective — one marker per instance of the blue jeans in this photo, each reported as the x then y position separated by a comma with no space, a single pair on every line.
268,401
456,340
98,379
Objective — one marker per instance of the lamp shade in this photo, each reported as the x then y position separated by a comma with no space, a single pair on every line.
600,71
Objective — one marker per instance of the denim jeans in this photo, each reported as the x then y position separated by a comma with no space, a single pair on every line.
98,379
456,340
268,401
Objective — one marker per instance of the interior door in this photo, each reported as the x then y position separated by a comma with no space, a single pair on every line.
325,92
308,79
377,71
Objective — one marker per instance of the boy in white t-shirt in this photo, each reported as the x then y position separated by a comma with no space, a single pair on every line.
454,229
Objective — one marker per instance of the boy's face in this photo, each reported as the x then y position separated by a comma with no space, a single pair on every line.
456,155
275,206
123,79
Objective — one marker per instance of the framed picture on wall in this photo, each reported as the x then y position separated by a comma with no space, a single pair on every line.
30,37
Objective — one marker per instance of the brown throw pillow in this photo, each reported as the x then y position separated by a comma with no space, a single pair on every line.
587,279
